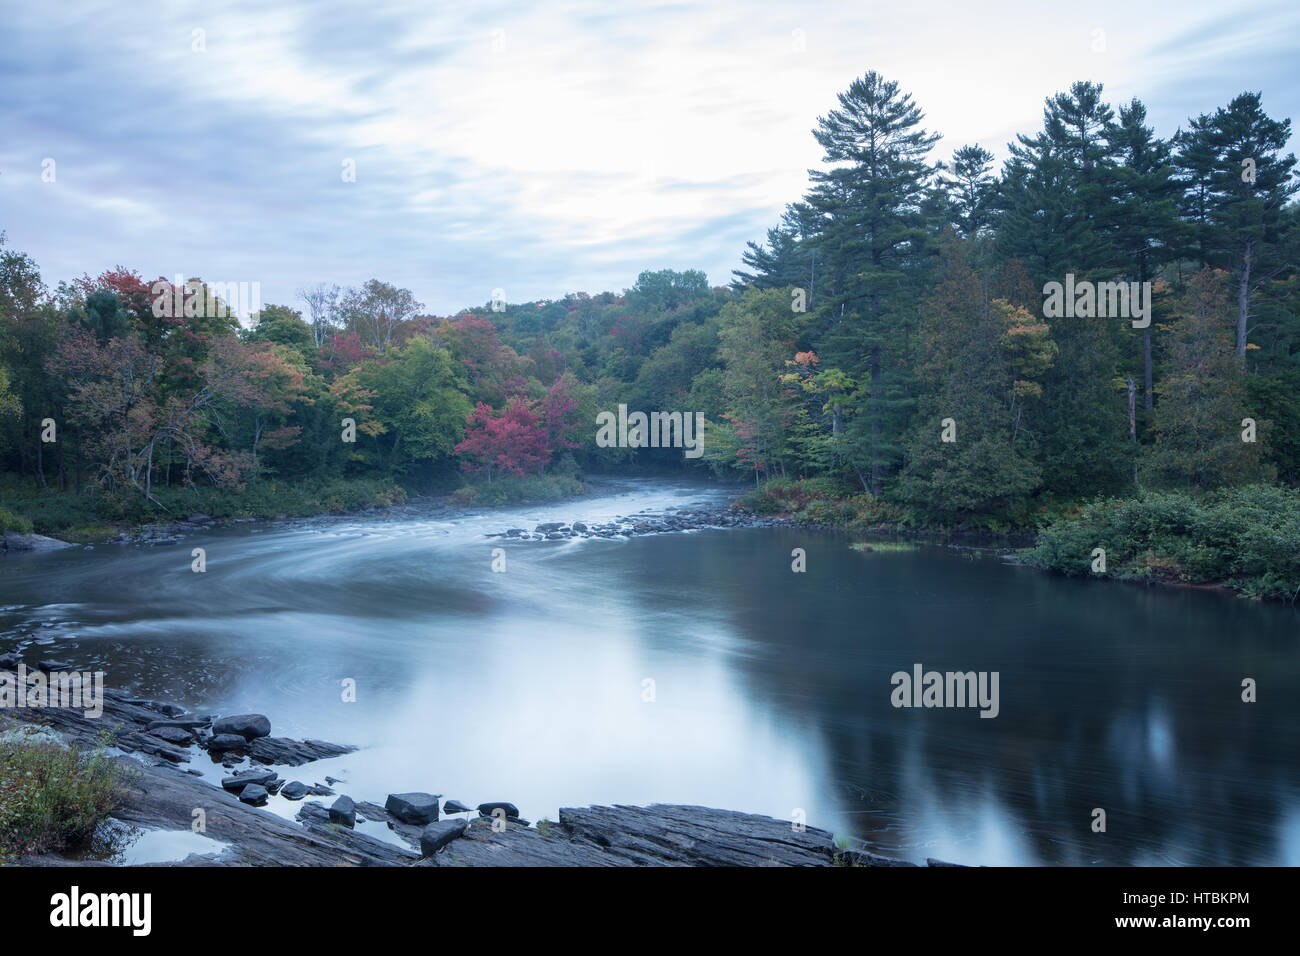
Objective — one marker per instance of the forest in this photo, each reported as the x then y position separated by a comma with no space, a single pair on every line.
884,355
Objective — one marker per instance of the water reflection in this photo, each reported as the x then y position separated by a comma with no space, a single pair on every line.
770,689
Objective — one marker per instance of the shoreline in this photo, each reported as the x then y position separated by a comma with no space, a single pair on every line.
163,798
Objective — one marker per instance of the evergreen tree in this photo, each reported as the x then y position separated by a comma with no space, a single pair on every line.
872,234
1238,183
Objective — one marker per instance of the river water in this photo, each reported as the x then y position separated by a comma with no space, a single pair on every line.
699,668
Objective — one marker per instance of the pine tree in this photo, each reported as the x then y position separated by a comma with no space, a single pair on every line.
871,236
1237,184
1145,214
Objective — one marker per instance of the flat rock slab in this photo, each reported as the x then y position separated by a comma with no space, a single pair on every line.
697,836
660,835
294,753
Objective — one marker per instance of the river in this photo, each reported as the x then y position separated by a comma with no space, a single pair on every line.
699,668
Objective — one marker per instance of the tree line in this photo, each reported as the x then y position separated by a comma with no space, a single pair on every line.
887,337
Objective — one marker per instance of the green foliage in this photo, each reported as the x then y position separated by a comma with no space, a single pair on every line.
511,489
820,501
1247,538
51,796
11,523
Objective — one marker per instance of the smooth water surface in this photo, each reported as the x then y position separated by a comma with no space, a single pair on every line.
771,689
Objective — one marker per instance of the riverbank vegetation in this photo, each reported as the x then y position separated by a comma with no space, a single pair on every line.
52,795
1246,538
885,357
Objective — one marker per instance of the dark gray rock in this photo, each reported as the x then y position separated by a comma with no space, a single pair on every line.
549,526
254,794
248,726
344,811
173,735
239,781
455,806
416,808
293,753
437,835
195,724
294,790
485,809
220,743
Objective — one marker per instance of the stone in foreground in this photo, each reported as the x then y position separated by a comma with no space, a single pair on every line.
344,812
239,781
437,835
416,808
248,726
254,794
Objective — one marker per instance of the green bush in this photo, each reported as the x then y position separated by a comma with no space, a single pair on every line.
820,501
1247,538
11,523
52,796
510,489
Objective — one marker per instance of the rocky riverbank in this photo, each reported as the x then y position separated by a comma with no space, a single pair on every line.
642,523
164,794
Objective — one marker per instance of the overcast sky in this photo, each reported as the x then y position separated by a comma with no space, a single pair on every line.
539,148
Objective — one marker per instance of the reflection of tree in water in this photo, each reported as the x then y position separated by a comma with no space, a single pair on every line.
1112,696
108,842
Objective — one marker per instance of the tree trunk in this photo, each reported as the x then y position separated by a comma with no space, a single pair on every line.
1243,299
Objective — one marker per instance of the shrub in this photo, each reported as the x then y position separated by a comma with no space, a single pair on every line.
1247,537
51,795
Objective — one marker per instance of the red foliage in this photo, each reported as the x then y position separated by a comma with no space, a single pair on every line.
513,441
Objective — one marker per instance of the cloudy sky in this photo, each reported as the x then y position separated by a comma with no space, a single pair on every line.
538,148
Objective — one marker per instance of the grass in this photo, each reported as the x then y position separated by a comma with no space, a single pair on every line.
52,796
883,547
